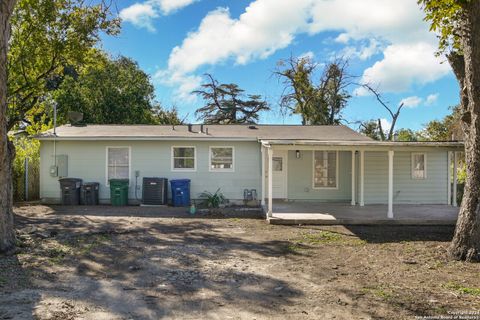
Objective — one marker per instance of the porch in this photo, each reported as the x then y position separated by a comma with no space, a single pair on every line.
308,212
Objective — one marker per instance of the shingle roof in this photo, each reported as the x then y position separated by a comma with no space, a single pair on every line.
262,132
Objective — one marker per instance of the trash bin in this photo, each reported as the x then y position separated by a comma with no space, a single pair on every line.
180,192
70,190
119,192
89,193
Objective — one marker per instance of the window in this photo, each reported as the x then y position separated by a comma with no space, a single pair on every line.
325,172
118,163
277,164
419,166
183,158
221,159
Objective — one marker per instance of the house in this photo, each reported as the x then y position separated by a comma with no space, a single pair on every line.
307,164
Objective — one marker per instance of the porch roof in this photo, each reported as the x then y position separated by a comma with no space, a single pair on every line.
364,144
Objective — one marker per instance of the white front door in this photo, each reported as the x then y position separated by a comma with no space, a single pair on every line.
279,175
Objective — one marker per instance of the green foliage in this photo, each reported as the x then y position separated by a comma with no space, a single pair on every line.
228,104
407,135
443,16
462,289
443,130
213,200
110,91
371,129
320,104
50,40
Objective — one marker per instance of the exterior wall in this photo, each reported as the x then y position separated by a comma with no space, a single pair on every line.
300,178
432,190
87,160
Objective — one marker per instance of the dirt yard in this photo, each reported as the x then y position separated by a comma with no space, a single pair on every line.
89,263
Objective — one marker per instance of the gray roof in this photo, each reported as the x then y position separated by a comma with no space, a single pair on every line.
215,132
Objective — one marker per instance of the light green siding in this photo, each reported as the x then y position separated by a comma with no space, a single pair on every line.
432,190
300,178
87,160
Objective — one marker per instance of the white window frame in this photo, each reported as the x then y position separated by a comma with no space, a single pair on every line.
210,159
129,162
336,171
424,165
184,169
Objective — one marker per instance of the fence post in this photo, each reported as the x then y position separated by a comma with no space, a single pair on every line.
26,179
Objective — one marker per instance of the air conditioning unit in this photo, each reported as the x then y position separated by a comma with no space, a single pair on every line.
154,191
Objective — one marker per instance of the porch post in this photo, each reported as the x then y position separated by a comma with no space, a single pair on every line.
449,178
390,184
362,177
353,177
263,176
270,182
454,196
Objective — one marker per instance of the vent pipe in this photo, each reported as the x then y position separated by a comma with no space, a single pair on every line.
201,128
190,128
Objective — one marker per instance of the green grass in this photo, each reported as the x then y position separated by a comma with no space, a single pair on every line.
379,292
462,289
328,237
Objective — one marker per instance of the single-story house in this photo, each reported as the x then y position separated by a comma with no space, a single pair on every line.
316,164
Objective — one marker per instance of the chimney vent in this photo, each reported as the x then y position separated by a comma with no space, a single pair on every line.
201,128
190,128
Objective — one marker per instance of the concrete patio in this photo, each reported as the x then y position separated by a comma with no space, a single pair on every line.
297,212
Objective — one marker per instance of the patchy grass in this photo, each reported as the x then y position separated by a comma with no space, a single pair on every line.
328,237
58,253
379,292
462,289
3,281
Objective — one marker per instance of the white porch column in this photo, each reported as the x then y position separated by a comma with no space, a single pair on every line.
270,182
362,178
449,178
353,178
263,176
454,193
390,184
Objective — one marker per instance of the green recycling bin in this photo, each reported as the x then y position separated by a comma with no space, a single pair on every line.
119,192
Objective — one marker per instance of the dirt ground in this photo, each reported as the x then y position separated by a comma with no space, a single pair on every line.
89,263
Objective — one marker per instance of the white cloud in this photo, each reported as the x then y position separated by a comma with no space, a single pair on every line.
386,125
366,28
309,55
411,102
404,65
431,99
142,14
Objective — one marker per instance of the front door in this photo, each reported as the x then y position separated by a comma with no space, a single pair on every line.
279,174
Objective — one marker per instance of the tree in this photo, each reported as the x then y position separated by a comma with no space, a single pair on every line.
7,234
228,104
319,104
443,130
407,135
47,38
394,114
458,24
110,91
371,129
51,39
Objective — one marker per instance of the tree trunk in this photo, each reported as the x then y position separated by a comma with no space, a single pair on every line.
466,241
7,234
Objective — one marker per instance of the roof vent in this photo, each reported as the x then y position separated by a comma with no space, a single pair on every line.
190,128
252,127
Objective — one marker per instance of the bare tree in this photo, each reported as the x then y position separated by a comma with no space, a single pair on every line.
394,114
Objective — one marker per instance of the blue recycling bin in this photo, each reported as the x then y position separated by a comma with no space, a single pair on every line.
180,192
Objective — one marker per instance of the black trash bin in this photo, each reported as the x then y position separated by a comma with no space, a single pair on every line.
70,190
89,193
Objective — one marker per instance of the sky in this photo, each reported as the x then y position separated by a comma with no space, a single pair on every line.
387,43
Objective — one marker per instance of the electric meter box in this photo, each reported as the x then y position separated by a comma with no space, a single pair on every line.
61,168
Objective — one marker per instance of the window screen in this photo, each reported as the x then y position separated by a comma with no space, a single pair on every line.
221,158
118,163
183,158
418,166
325,169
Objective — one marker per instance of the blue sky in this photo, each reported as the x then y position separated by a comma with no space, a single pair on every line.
387,42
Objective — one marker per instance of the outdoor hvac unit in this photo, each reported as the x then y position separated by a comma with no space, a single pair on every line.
154,191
